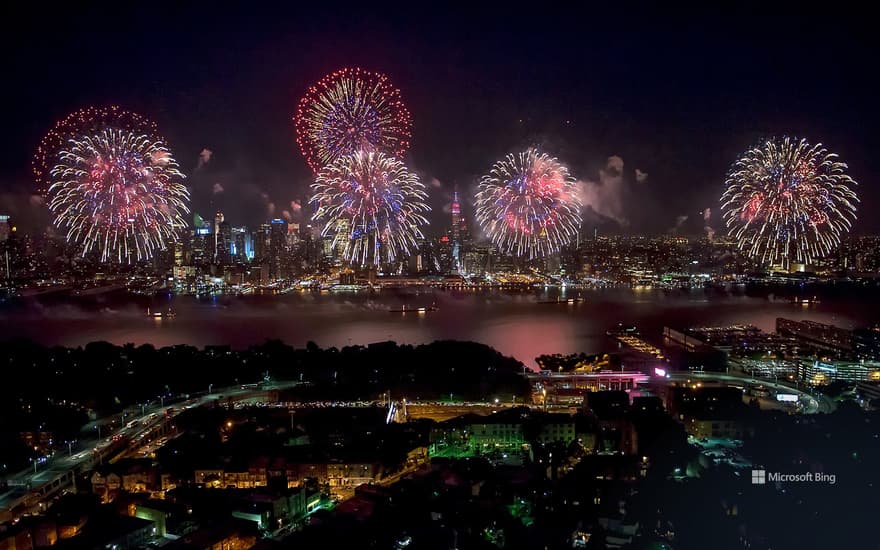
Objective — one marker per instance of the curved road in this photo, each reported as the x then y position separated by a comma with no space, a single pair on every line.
814,403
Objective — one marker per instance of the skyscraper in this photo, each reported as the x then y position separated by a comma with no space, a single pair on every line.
242,245
5,227
261,243
277,247
456,217
218,219
5,245
224,252
456,231
202,241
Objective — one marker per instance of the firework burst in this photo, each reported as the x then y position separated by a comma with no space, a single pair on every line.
788,201
528,205
348,111
79,123
111,184
371,205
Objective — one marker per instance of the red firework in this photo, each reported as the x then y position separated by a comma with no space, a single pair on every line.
348,111
82,122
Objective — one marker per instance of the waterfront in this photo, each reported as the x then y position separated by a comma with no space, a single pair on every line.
514,323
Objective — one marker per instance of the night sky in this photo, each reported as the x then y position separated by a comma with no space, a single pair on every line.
676,95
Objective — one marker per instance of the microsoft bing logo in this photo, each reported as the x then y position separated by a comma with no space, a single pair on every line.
759,477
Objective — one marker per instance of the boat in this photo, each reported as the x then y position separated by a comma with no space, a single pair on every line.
622,330
806,301
406,309
160,315
346,288
569,301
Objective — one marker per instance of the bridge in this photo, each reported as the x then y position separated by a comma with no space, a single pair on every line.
30,489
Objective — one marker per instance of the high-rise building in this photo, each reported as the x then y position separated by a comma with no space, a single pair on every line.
222,240
180,248
261,243
445,250
5,227
293,234
242,245
277,247
225,256
202,241
341,237
6,246
218,219
456,218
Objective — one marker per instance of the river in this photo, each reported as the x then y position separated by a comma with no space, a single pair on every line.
517,324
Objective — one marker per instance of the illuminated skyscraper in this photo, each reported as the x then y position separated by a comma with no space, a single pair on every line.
261,243
5,233
342,231
5,227
202,241
445,255
224,250
218,219
277,247
456,231
242,245
456,217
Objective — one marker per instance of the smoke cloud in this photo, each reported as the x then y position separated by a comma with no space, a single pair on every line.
268,205
217,189
679,221
204,158
707,217
641,177
605,197
613,168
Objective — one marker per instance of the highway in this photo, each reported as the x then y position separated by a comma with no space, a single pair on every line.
28,490
813,403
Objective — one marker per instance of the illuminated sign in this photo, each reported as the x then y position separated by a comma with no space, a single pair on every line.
659,372
787,397
203,231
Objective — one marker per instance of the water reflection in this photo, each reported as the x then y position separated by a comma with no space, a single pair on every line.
516,324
